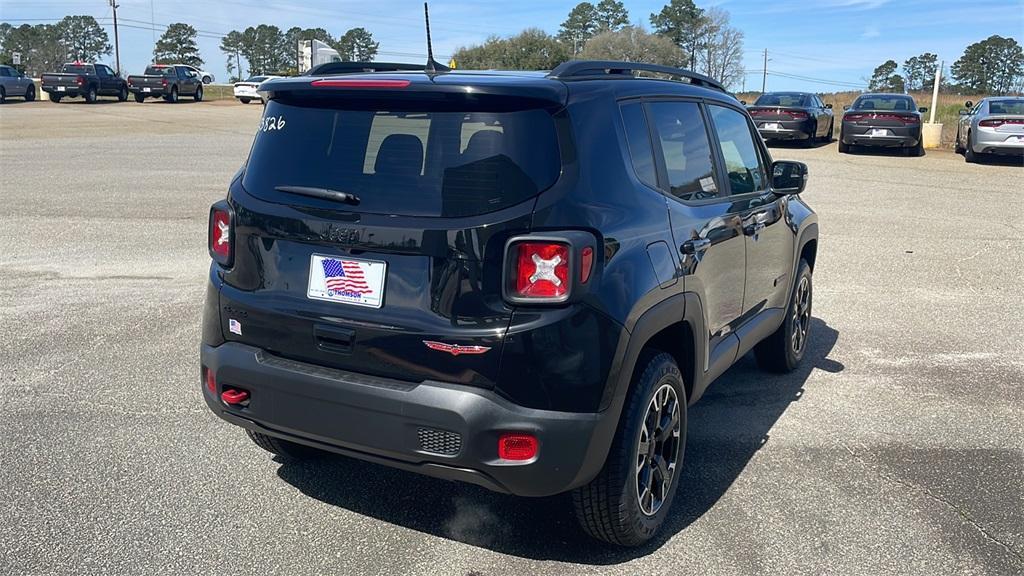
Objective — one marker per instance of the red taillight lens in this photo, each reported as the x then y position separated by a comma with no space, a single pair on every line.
163,82
211,382
541,270
853,117
355,83
80,80
758,112
910,119
517,446
220,235
797,115
997,122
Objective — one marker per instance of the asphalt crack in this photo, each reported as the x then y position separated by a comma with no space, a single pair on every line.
928,493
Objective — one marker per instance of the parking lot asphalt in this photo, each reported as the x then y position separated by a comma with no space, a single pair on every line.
898,448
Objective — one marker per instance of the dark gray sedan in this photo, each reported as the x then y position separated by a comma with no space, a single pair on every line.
15,83
792,116
882,120
992,126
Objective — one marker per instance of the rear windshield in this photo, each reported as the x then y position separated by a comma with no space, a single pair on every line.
883,102
781,100
160,71
257,79
77,69
1006,107
408,163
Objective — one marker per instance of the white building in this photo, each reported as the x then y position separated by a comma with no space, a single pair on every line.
313,53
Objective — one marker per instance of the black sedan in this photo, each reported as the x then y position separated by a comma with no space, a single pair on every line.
792,116
883,120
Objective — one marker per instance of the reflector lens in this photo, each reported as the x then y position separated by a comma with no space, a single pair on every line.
542,270
586,263
517,446
211,382
354,83
220,235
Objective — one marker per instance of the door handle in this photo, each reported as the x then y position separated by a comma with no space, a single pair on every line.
753,229
695,247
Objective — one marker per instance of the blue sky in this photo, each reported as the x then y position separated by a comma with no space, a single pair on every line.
839,41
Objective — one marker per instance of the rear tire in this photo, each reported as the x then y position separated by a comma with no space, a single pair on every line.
784,349
54,98
957,146
284,448
140,98
970,156
3,95
628,501
844,148
207,80
30,94
173,96
90,95
245,100
122,96
198,96
831,127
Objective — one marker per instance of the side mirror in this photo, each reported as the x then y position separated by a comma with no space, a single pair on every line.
788,177
964,112
829,106
968,104
846,107
922,109
744,102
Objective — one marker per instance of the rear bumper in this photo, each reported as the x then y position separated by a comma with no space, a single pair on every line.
897,137
382,421
153,92
991,142
68,91
787,130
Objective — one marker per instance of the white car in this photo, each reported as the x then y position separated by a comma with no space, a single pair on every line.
246,90
205,76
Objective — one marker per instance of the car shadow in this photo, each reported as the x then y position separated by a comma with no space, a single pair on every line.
880,151
99,101
1001,160
726,428
798,144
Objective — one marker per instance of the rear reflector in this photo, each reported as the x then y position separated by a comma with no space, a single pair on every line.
541,270
211,382
354,83
517,446
586,263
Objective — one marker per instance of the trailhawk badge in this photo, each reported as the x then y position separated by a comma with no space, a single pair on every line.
455,349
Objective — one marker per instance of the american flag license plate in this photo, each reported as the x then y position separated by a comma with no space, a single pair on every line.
345,280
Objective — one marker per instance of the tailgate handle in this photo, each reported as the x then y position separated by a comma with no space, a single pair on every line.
334,339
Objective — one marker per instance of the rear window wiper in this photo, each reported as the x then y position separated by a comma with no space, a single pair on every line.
325,193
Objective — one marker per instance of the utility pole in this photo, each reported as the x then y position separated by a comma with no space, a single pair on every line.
117,44
764,72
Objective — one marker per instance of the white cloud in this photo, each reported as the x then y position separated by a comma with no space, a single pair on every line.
871,31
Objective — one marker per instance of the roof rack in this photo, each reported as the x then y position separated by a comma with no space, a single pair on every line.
329,68
597,69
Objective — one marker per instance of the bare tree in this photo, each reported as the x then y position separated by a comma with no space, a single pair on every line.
722,55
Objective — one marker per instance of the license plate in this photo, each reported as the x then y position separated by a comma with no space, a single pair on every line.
61,89
147,89
348,281
878,132
772,127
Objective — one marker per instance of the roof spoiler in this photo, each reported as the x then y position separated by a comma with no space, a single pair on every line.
332,68
602,69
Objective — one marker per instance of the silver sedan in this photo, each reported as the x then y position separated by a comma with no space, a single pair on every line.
992,126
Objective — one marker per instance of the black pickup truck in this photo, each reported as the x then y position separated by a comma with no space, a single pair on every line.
167,81
89,81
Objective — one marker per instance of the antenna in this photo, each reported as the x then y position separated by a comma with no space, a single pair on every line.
433,66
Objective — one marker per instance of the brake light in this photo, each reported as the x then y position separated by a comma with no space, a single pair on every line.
758,112
853,117
797,115
355,83
163,82
540,270
517,446
79,80
996,123
220,235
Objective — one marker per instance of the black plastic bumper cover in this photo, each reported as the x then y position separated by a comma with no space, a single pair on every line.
377,419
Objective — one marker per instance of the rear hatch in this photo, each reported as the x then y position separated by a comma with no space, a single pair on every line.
371,219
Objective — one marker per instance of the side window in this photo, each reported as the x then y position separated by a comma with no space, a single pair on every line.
686,149
742,160
4,71
101,72
638,138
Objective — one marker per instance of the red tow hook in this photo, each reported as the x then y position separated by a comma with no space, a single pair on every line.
235,397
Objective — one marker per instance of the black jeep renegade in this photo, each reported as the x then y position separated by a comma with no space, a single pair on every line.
519,280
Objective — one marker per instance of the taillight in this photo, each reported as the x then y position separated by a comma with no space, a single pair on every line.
163,82
220,235
910,119
796,115
79,80
541,271
209,380
853,117
997,122
517,446
758,112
